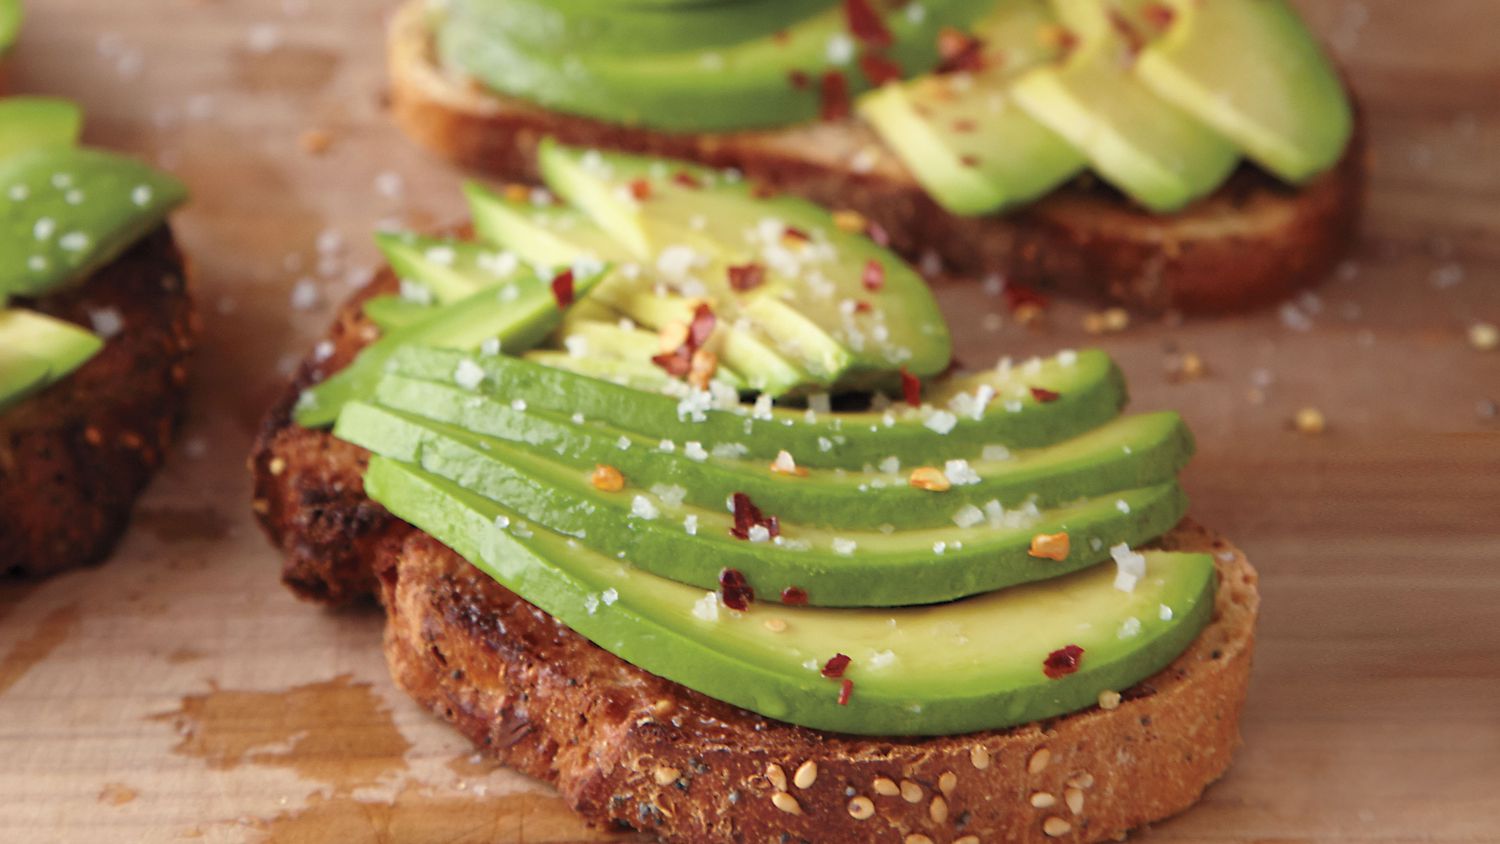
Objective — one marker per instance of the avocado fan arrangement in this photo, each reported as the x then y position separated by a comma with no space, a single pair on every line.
992,104
67,211
713,431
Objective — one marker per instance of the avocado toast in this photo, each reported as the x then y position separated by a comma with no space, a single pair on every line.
672,501
95,328
1167,155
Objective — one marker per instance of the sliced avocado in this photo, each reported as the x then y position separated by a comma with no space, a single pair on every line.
518,314
1086,389
854,311
392,312
834,568
68,211
1253,71
449,269
1126,453
771,80
30,122
1151,150
28,338
947,669
963,136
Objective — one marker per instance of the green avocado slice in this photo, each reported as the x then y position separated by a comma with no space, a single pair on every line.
1252,70
693,544
518,314
846,309
449,270
771,80
1126,453
67,211
392,312
1088,388
31,122
632,28
947,669
1154,152
37,351
962,135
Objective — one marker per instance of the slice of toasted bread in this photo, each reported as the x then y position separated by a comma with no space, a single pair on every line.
629,749
1250,243
74,458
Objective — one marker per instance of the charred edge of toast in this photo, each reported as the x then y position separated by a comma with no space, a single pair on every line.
631,750
74,458
309,492
1251,243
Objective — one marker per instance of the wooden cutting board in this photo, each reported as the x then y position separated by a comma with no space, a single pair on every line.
178,693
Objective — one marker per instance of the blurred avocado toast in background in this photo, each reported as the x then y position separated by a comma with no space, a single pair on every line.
1164,153
675,499
95,327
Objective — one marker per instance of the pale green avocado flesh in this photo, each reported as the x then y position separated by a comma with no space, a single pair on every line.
37,351
946,669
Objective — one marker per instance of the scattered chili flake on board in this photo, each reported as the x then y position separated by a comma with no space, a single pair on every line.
874,276
846,690
746,277
794,596
835,94
734,591
686,179
911,388
834,668
1044,395
562,288
866,24
640,189
1060,663
879,70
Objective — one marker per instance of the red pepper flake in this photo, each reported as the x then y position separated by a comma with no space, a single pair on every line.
873,276
1044,395
1061,663
799,79
677,364
911,388
734,591
746,277
794,596
686,179
835,667
1018,295
747,516
640,189
562,288
964,125
761,190
959,51
846,690
835,92
794,233
879,70
1159,15
866,24
878,234
701,328
863,307
1134,41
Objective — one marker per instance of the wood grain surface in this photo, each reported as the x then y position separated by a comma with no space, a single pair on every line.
179,694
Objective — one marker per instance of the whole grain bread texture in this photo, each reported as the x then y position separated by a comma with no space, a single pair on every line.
74,458
631,750
1250,243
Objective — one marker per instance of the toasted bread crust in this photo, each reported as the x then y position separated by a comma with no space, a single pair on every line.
1250,243
629,749
543,700
74,458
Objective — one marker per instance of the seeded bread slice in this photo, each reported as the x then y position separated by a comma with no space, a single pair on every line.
1252,242
630,750
74,458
